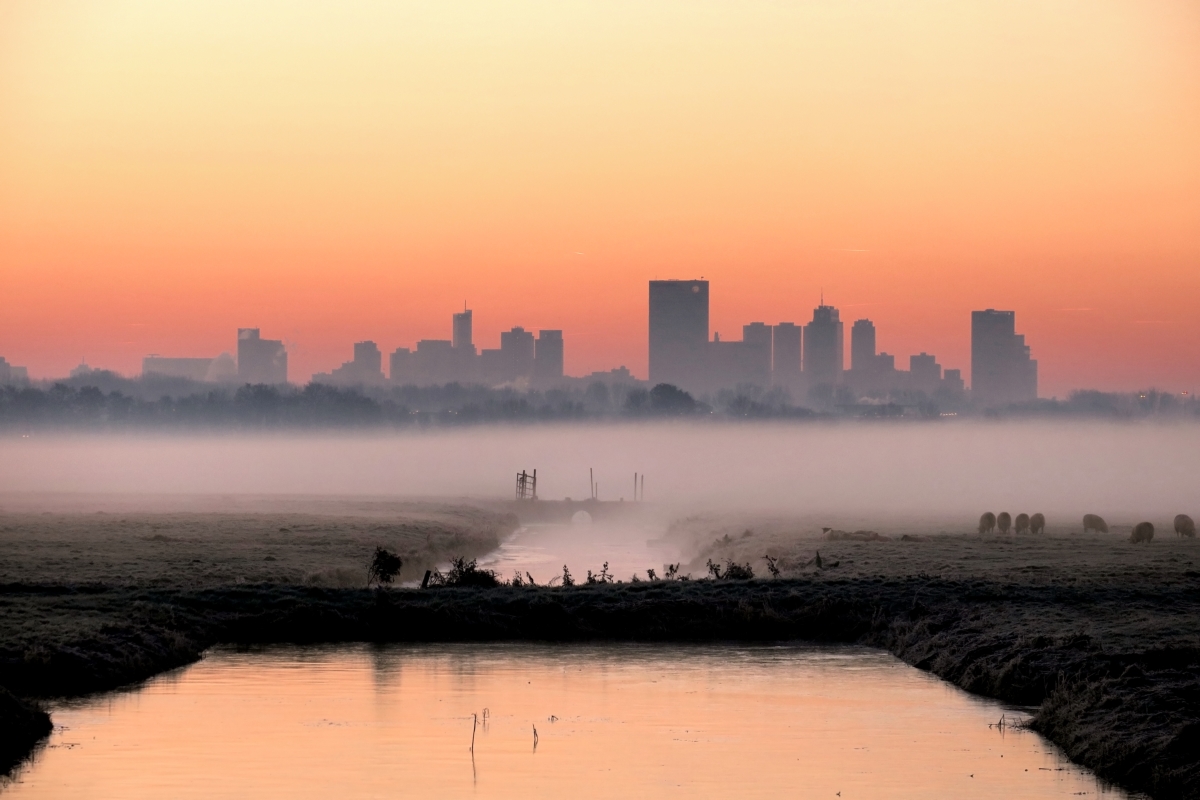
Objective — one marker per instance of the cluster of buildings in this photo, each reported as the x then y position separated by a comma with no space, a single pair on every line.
811,356
520,358
807,359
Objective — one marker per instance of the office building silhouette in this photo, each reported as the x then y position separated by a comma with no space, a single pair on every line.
679,332
786,341
260,360
862,347
823,342
548,355
1002,371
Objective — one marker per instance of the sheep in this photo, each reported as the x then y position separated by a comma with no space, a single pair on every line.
1184,526
1037,524
1142,532
987,523
1094,522
1004,521
1021,523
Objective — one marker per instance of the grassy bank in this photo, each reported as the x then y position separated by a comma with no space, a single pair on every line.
1125,704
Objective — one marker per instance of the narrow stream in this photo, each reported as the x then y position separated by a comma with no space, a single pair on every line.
611,721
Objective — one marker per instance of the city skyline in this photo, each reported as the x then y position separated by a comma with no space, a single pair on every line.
368,171
809,359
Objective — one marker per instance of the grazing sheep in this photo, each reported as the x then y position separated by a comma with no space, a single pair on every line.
987,523
1021,523
1184,526
1004,521
1094,522
1037,524
1142,532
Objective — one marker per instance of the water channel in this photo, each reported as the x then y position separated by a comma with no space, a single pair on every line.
611,720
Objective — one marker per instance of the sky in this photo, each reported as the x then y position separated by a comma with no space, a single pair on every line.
331,172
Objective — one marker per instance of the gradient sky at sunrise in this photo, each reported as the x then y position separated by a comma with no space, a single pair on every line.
337,171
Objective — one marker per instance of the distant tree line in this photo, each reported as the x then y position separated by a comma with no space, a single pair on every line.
106,401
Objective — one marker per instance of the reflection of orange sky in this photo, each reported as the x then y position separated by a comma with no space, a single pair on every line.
630,721
333,172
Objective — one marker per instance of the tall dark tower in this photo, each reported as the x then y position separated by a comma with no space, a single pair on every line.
462,331
862,346
548,355
823,343
786,338
678,332
1001,369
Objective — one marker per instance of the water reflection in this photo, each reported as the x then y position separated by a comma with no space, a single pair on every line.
611,720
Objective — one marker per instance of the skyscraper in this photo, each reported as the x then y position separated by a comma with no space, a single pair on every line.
548,355
823,343
462,332
260,360
678,332
786,339
1001,368
516,353
862,347
756,338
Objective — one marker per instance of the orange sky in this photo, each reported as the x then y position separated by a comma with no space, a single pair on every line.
332,172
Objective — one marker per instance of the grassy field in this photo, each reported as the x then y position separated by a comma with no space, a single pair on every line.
195,549
1100,635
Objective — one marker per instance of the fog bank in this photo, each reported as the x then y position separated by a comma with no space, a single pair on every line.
1120,469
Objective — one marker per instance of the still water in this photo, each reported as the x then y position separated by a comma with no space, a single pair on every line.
611,720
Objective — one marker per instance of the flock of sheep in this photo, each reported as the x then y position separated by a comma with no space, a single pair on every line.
1142,532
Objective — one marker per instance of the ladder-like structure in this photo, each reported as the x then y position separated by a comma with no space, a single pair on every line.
527,485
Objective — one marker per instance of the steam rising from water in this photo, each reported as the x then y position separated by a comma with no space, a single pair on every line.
871,470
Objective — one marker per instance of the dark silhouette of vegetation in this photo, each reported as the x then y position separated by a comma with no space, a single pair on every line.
603,576
384,567
733,571
106,401
772,566
567,580
465,573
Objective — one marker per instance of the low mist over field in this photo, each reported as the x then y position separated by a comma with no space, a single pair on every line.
853,471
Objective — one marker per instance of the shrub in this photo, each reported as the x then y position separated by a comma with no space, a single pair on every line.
465,573
384,567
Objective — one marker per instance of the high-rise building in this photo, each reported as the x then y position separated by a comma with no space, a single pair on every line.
436,361
786,339
516,353
260,360
1001,368
924,373
678,332
823,342
402,367
548,355
862,347
462,332
756,338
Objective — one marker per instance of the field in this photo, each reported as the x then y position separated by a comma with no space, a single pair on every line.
1100,637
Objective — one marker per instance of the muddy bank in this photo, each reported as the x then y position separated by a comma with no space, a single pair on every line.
22,726
1123,700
